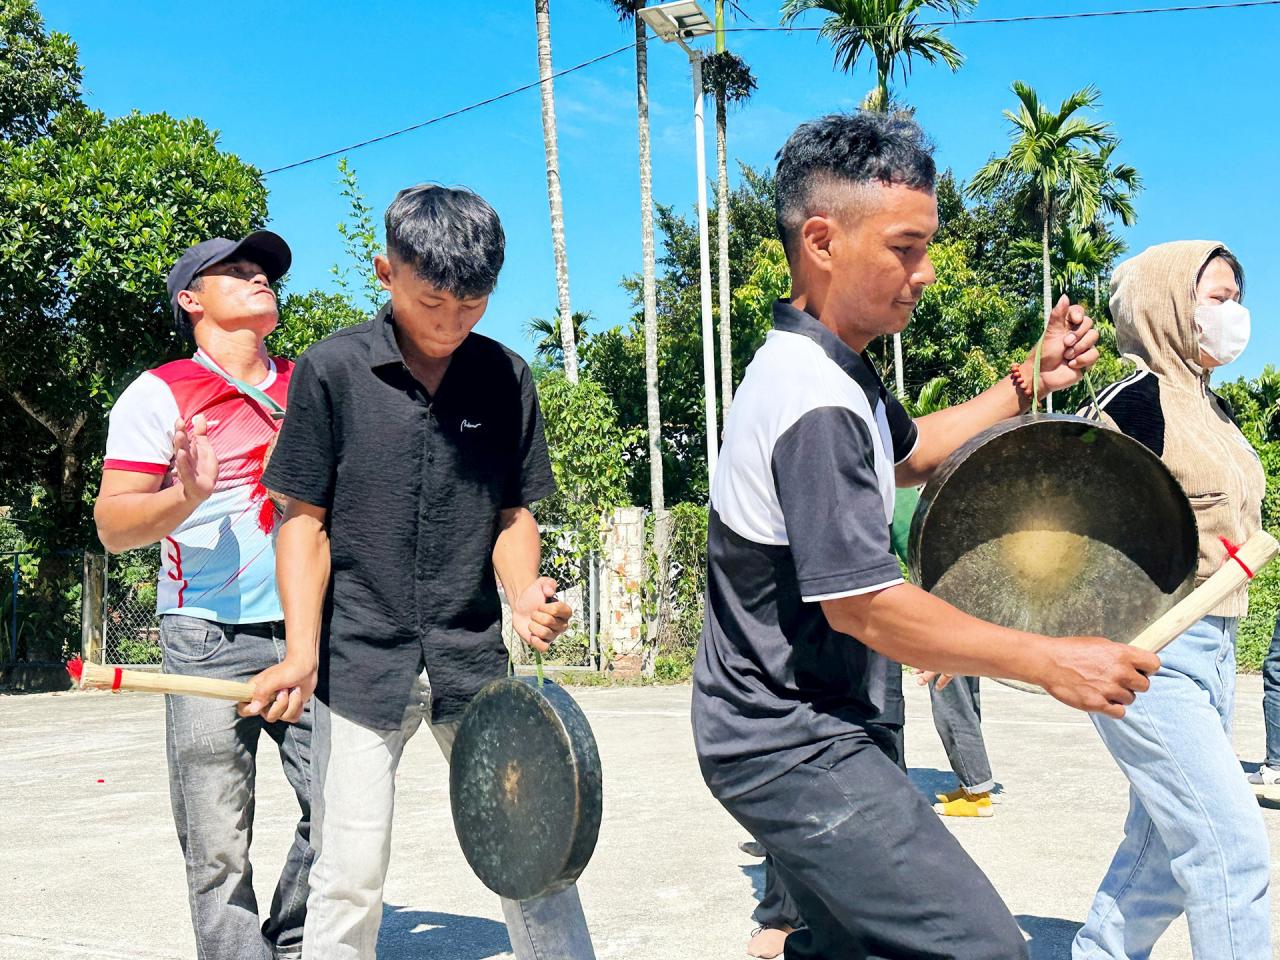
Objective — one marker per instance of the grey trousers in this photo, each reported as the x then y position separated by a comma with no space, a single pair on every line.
957,715
213,767
355,774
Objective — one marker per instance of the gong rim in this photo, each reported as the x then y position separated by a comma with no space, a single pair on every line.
1131,501
525,788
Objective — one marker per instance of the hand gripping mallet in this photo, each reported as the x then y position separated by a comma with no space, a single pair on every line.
93,676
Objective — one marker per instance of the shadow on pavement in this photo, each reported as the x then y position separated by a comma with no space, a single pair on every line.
412,934
755,873
1050,936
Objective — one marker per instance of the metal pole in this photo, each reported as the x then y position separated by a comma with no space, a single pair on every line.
13,635
897,364
593,601
704,253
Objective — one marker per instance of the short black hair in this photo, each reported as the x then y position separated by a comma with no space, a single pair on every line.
1222,253
852,148
450,236
187,329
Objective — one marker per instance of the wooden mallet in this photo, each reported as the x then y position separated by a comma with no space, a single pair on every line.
93,676
1242,563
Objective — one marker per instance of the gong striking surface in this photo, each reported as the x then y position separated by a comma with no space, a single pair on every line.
1055,525
525,787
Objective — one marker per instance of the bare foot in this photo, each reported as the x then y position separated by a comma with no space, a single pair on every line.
767,942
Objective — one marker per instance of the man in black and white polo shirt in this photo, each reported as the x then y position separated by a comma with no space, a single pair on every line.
807,613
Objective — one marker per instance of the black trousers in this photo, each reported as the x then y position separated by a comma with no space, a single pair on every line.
776,908
872,870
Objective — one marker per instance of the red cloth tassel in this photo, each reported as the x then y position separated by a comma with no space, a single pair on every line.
1233,553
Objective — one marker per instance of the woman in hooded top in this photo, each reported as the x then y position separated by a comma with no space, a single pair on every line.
1194,839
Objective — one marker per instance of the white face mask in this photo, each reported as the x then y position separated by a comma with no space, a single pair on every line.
1223,330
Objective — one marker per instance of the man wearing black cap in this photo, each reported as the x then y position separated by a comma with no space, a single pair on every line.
186,448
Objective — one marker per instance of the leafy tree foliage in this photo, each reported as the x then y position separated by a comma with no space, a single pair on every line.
39,72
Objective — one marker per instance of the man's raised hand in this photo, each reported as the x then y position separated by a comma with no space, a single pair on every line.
193,458
1070,348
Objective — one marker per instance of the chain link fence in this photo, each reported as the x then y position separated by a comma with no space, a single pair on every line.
130,629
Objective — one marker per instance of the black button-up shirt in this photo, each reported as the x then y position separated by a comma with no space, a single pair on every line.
413,485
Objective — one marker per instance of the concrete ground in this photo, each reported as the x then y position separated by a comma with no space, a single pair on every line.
90,868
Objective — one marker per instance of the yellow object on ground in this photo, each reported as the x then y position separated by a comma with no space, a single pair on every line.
964,805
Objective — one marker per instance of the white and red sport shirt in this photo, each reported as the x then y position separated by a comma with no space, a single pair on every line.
219,564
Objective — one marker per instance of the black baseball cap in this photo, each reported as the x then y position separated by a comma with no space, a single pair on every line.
263,247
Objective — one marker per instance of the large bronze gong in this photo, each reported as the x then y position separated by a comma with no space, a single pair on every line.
1055,525
525,787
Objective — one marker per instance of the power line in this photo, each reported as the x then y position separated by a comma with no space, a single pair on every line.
451,113
1034,18
1031,18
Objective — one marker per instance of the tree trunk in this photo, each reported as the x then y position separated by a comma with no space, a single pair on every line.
1048,285
653,409
722,225
542,11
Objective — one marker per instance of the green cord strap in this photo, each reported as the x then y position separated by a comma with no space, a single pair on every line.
253,393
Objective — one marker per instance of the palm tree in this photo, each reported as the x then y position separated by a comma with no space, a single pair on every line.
626,10
727,78
1079,258
542,14
548,341
890,32
1055,162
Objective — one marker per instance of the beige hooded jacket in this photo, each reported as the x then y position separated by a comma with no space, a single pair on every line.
1167,404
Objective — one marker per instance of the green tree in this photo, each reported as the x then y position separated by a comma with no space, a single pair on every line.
548,345
890,32
1056,161
614,357
307,318
92,214
359,234
39,72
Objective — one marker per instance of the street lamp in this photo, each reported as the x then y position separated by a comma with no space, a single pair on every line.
677,22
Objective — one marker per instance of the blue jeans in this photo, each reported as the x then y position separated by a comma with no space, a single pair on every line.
1271,698
1194,840
212,756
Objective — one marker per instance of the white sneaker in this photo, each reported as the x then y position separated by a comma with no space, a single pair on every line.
1266,782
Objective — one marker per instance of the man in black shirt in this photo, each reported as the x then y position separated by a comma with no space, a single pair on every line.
807,613
411,452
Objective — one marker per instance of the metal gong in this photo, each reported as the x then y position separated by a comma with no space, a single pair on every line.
1055,525
525,787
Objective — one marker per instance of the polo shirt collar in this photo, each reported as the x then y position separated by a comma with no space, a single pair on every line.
383,348
790,319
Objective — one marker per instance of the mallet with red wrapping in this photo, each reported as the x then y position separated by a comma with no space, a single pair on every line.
93,676
1242,563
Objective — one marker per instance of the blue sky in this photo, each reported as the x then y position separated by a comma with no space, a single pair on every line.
1192,95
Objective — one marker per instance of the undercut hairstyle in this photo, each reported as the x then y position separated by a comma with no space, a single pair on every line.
187,329
450,237
844,149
